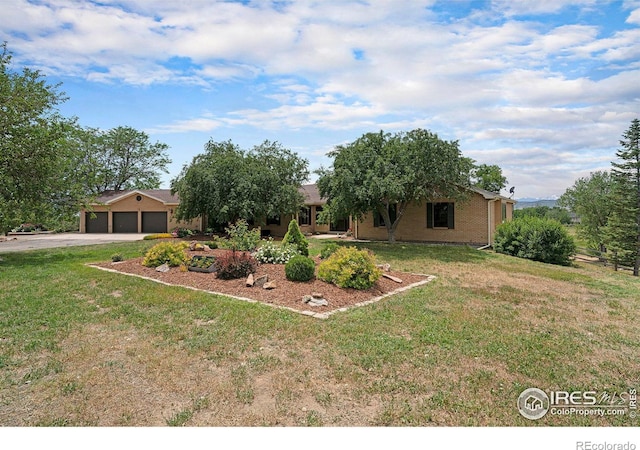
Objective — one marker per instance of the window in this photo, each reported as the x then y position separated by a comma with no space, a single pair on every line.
440,215
504,212
378,220
275,220
304,216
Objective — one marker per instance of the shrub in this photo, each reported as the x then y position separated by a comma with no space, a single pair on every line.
295,236
271,253
349,267
232,264
300,268
172,253
534,238
116,257
212,244
240,237
181,232
150,237
328,250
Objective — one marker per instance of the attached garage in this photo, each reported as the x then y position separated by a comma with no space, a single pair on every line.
97,222
125,222
154,222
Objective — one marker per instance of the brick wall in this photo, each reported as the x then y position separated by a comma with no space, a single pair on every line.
470,224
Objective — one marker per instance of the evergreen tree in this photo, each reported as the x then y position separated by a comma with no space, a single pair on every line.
623,229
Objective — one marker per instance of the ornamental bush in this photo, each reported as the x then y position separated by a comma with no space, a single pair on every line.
534,238
295,236
150,237
349,267
172,253
328,250
240,237
232,264
300,268
271,253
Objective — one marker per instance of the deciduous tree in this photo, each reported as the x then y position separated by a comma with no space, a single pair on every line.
227,183
385,172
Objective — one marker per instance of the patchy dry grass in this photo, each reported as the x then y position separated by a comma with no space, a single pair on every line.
82,347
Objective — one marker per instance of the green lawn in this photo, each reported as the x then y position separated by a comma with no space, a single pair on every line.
83,347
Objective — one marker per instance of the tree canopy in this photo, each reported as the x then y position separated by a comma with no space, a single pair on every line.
488,177
383,172
590,198
118,159
33,154
227,183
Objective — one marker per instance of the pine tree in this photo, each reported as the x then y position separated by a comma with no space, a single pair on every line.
623,229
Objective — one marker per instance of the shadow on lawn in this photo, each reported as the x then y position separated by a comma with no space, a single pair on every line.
439,252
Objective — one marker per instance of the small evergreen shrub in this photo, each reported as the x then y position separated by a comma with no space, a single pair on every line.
328,250
116,257
212,244
349,267
232,264
295,236
172,253
182,232
271,253
300,268
534,238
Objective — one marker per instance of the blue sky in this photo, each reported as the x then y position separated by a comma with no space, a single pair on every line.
542,88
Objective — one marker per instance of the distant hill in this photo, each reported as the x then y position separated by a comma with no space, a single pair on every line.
532,203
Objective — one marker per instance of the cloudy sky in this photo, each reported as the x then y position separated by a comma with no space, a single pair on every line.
542,88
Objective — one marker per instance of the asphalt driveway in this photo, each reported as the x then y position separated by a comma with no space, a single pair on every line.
38,241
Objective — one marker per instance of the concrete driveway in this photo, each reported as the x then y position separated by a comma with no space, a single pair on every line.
37,241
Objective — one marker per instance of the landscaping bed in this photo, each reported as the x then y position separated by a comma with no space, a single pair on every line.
287,293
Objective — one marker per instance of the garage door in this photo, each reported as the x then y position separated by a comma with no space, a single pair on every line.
125,222
97,222
154,222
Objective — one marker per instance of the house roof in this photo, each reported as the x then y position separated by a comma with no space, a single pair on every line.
312,195
161,195
488,195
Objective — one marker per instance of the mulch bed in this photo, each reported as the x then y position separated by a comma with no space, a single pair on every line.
287,294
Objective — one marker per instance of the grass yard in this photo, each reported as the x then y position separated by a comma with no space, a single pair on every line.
84,347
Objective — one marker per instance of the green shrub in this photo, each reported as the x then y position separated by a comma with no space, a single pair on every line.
182,232
212,244
116,257
295,236
300,268
233,264
172,253
349,267
534,238
328,250
240,237
271,253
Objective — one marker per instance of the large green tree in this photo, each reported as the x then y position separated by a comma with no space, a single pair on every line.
386,172
623,229
590,199
488,177
118,159
227,183
33,152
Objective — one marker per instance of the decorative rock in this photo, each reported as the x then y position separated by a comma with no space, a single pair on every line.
163,268
250,281
196,246
206,248
307,298
260,281
318,302
270,285
392,278
317,295
384,267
